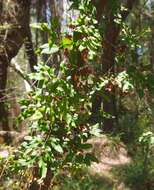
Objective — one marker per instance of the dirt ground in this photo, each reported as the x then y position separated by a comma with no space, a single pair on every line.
111,155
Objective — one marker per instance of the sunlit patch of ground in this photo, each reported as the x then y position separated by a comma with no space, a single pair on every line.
111,155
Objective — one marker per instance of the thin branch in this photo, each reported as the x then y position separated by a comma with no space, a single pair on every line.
18,70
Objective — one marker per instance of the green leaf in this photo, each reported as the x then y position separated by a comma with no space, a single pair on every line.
28,138
94,130
36,116
46,49
85,146
66,43
43,168
152,140
68,118
57,147
90,158
44,46
79,159
44,171
36,25
22,162
69,156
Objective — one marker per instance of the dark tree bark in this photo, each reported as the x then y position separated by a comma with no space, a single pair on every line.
16,15
110,37
151,45
3,110
32,58
1,7
108,66
46,182
41,37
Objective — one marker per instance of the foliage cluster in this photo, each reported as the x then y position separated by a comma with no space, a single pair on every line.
59,108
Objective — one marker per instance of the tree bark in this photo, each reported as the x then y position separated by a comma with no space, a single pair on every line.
32,58
46,182
108,67
151,45
16,14
3,111
110,37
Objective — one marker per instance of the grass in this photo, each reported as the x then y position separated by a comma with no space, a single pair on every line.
82,180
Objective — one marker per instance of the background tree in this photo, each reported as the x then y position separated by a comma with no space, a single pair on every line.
14,22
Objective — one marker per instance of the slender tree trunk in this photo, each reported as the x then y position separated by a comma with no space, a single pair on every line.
110,37
46,182
32,58
3,111
1,7
152,46
151,20
108,66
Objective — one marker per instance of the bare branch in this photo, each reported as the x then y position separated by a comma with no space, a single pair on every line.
18,70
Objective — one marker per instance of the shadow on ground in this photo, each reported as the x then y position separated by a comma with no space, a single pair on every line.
84,182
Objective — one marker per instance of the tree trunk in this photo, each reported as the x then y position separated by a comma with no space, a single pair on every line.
3,111
32,58
46,182
108,67
110,37
16,15
151,20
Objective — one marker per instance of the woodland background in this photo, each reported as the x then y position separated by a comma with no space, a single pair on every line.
108,42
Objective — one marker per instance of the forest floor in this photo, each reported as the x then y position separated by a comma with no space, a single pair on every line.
105,175
112,157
